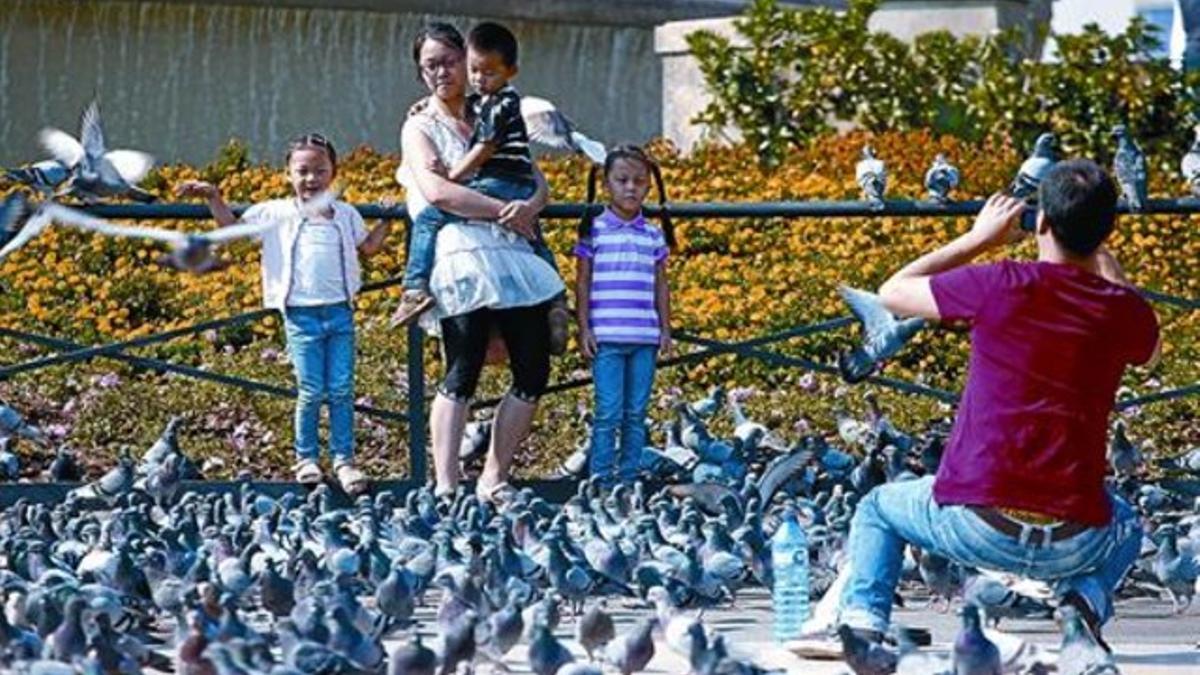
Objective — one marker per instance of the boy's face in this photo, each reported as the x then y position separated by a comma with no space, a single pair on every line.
488,71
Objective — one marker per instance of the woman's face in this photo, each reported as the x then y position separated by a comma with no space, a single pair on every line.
443,70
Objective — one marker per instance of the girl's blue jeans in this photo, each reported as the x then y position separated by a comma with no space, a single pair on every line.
321,343
1091,563
623,375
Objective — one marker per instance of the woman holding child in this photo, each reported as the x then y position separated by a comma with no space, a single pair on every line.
486,275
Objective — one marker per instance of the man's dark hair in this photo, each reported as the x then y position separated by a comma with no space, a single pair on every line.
1079,200
496,39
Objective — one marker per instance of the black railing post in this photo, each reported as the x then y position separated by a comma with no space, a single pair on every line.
418,465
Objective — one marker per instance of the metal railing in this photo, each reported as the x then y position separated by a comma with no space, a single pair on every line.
753,348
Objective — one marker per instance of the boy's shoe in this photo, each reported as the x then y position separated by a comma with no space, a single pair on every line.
307,472
351,479
560,327
413,304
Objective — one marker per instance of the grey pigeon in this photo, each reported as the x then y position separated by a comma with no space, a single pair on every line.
12,423
96,171
1175,567
413,658
941,178
45,176
546,654
1189,166
10,464
549,127
14,215
997,601
116,482
1123,455
974,654
1080,653
64,468
1035,168
632,651
871,174
594,630
865,656
883,335
1129,168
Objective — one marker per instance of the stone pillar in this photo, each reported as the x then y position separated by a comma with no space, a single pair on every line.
684,94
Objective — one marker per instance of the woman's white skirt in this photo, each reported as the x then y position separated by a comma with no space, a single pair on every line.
484,265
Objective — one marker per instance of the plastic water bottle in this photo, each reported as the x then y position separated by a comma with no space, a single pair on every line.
789,561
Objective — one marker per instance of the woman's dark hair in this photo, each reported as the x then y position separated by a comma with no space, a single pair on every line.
1079,201
637,154
312,141
438,32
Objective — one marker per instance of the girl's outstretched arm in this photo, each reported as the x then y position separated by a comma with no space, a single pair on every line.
662,302
216,204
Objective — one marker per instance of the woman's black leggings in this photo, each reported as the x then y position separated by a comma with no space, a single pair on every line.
526,334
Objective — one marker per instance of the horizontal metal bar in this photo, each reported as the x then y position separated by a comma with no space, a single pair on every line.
1168,395
194,373
1166,299
808,364
785,209
702,355
558,490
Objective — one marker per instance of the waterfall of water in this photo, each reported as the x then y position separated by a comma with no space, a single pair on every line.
179,80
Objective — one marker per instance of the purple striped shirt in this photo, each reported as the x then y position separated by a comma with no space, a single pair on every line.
624,256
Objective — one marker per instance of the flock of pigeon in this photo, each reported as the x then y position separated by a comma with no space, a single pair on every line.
135,571
1129,171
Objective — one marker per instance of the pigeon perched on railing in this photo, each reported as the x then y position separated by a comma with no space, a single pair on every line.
45,176
871,174
96,171
1129,168
1035,168
941,178
1189,166
883,334
547,126
191,251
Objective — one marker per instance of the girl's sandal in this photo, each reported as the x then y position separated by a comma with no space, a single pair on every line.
307,472
353,481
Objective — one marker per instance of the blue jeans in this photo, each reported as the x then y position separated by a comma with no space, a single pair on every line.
623,375
1091,563
422,241
321,343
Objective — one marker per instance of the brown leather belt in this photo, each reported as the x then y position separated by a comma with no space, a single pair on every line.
1037,535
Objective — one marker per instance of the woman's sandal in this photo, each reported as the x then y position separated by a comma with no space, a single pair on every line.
500,494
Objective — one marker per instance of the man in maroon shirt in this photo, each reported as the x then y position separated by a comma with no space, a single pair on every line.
1021,485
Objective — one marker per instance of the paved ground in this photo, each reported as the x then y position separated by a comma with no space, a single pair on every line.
1146,637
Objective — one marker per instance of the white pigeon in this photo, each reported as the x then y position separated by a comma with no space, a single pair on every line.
1190,165
96,171
871,174
192,251
547,126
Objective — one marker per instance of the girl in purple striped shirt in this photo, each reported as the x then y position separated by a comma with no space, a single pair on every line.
624,309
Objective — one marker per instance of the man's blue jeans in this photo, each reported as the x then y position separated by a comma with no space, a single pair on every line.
422,241
321,343
1091,563
623,375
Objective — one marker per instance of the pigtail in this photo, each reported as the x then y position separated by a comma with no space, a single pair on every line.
663,211
586,221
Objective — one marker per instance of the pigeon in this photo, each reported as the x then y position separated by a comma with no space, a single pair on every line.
998,600
1080,654
864,656
546,654
974,654
64,468
1034,168
1123,455
871,174
1129,168
10,464
594,630
45,176
632,651
116,482
14,216
12,423
1189,166
1176,567
96,171
549,127
883,334
191,251
941,178
413,658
